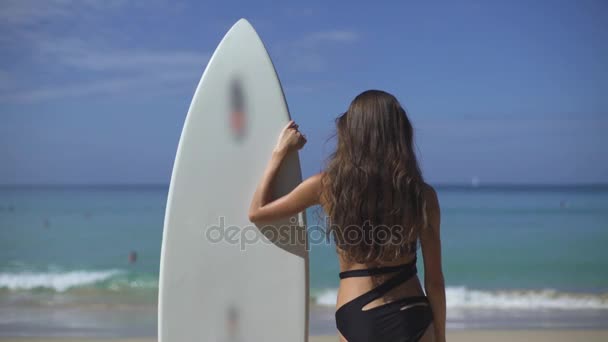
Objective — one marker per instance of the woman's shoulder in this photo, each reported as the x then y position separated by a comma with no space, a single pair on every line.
429,192
432,204
317,180
431,199
321,182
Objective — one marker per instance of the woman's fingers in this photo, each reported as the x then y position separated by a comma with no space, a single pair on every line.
292,136
289,125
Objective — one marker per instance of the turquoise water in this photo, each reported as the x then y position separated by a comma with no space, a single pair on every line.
521,248
531,241
49,238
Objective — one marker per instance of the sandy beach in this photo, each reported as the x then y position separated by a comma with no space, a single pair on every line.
453,336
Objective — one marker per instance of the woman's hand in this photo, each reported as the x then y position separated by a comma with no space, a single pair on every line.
290,138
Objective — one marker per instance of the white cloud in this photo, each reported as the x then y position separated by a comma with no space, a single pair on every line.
145,82
138,69
29,12
25,12
309,52
310,87
102,57
78,54
140,59
72,90
111,69
332,36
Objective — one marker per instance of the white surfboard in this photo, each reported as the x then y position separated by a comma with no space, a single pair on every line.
214,284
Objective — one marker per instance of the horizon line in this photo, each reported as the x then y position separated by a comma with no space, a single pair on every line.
459,185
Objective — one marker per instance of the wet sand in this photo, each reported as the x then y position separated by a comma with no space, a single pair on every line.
540,335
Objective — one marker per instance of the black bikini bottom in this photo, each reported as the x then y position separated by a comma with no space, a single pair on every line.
405,319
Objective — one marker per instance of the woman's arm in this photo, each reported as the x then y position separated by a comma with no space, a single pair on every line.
433,274
263,209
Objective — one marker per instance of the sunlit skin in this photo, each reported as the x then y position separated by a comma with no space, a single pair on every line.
264,209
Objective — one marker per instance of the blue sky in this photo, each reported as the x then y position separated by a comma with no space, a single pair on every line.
96,91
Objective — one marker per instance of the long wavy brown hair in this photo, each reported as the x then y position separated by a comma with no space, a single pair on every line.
372,184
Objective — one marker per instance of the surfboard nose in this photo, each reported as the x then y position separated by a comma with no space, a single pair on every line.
242,24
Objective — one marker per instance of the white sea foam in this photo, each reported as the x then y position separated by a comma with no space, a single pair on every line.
326,298
58,281
464,298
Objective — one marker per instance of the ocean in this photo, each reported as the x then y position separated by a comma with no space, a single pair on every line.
513,257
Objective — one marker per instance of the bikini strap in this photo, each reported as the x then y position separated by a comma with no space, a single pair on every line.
377,270
393,282
406,271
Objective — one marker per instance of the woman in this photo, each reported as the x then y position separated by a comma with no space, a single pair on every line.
379,208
